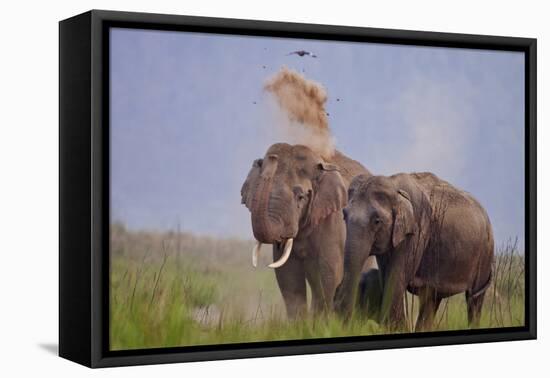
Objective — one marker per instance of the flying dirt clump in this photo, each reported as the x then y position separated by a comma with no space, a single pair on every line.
303,102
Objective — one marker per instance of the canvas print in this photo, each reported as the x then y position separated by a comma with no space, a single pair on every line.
268,189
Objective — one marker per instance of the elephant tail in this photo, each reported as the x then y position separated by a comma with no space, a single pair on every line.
484,288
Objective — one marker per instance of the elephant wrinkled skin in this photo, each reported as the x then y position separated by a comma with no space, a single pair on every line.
428,237
296,198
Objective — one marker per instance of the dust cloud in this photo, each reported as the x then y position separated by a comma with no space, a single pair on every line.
302,103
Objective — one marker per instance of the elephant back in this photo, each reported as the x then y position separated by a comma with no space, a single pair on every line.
348,167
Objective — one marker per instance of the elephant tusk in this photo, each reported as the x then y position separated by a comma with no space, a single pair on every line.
256,253
285,256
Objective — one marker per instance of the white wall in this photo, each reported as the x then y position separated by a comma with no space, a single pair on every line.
29,189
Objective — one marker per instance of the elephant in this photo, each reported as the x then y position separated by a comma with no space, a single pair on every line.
369,297
295,198
429,238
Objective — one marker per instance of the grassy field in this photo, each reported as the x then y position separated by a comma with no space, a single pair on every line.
177,289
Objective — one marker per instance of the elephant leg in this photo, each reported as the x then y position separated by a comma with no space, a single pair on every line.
474,304
323,280
325,263
292,282
398,268
429,303
392,310
313,277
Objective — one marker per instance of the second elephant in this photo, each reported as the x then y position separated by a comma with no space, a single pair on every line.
429,238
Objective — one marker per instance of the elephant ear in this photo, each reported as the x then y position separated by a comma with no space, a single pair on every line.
250,182
403,224
329,193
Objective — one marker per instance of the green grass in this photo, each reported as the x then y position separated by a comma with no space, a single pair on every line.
177,289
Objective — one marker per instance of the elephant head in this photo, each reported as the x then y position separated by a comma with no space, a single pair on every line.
289,192
380,217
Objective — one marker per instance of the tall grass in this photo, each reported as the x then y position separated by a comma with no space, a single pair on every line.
178,289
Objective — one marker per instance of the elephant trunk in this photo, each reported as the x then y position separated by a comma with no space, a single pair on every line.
267,220
265,226
356,253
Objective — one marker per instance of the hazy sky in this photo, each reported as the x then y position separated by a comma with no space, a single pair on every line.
185,129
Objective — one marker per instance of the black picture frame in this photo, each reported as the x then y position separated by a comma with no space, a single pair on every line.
84,187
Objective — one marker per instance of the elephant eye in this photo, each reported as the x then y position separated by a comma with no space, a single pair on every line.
375,219
299,193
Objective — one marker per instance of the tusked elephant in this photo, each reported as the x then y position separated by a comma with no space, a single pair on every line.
296,198
428,237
